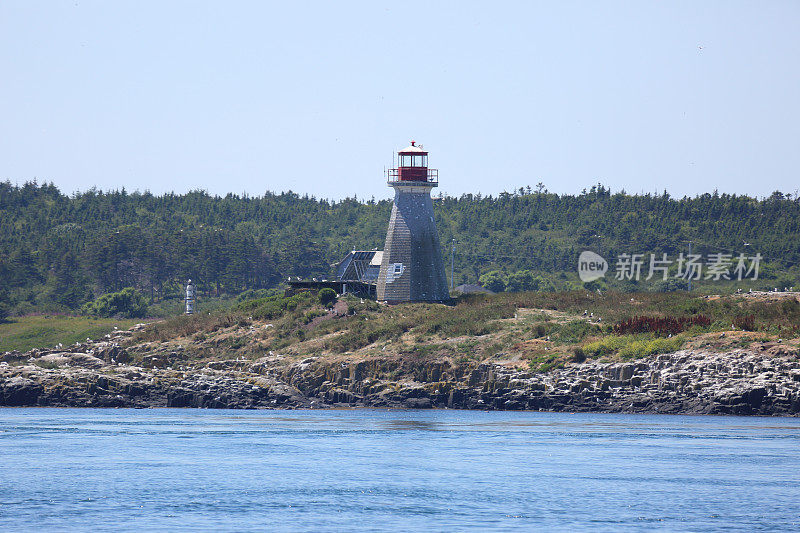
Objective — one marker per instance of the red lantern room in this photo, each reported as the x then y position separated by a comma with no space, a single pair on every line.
413,167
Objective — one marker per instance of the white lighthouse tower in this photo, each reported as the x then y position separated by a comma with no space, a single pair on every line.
412,269
189,298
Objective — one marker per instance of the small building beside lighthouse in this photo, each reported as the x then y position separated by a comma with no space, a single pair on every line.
412,268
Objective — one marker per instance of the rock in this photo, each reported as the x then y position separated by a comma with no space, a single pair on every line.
155,361
111,352
18,392
626,372
755,396
95,374
12,356
417,403
85,360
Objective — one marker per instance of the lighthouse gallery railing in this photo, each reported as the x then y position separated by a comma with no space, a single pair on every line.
393,177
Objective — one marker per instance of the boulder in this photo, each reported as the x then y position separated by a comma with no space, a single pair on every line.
19,391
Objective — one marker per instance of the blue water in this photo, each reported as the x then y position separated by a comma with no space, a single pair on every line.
371,470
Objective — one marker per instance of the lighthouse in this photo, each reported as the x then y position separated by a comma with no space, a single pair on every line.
412,269
189,298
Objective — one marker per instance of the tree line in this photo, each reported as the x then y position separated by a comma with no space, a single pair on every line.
59,251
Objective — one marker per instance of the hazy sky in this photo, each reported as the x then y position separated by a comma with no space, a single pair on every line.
315,97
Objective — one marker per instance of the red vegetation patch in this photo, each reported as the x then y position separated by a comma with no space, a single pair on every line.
660,325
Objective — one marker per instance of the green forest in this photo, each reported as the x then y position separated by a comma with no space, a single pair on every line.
59,252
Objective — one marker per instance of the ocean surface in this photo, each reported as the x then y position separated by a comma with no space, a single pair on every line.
375,470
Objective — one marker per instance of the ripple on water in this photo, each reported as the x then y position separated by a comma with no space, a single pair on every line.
376,469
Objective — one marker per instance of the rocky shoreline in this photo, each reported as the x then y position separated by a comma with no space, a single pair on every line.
763,381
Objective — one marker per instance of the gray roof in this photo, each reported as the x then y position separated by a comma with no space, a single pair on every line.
360,265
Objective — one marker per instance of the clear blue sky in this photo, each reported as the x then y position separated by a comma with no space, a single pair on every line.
314,97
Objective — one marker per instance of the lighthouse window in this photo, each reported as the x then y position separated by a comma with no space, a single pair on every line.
418,161
405,160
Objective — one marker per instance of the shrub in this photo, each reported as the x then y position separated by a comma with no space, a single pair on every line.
662,326
327,296
493,349
5,309
363,334
274,306
606,346
252,294
494,280
127,303
574,331
671,285
596,285
540,330
629,346
643,348
745,322
790,307
578,355
544,362
238,342
312,314
523,280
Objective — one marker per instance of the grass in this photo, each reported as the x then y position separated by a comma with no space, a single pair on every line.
42,331
633,346
544,362
544,330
